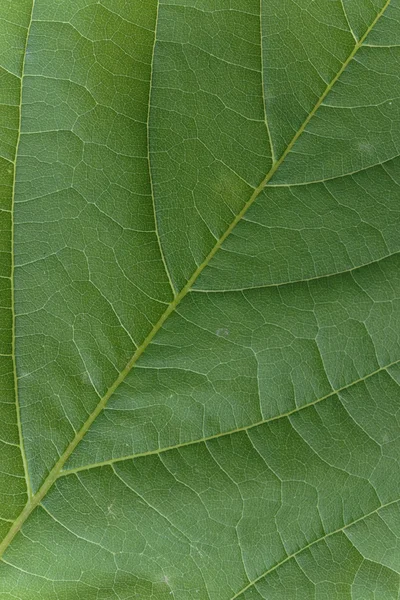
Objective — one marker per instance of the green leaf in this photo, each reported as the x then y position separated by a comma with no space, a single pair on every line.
200,299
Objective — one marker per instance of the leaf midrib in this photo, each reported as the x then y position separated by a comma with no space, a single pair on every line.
54,474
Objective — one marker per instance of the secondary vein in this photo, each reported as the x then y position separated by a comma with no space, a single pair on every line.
209,438
271,145
13,350
149,160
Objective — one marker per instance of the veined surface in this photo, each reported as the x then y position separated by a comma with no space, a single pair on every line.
200,299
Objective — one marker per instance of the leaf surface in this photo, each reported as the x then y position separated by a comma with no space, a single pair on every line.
200,299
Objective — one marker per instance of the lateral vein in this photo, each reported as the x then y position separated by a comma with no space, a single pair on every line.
262,89
149,161
209,438
13,341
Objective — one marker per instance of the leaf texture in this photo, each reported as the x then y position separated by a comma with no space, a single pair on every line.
200,299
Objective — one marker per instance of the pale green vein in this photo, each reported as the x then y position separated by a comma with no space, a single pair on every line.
295,281
334,177
263,90
231,431
149,160
347,20
56,470
321,539
14,360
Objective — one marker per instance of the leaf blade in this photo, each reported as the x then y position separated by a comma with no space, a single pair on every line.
363,316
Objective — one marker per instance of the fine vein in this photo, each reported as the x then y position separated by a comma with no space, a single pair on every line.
56,470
